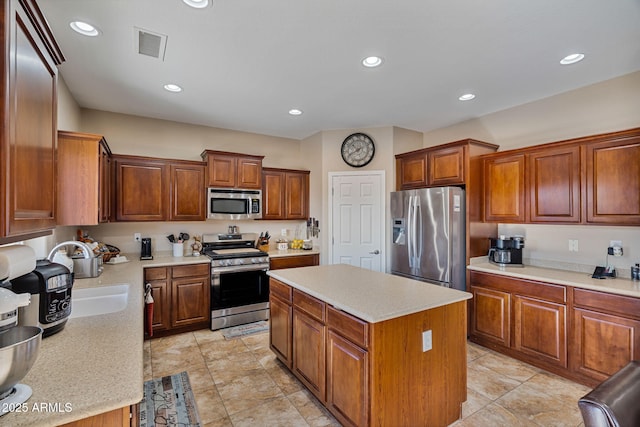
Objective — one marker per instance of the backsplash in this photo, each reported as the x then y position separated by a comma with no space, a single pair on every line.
548,246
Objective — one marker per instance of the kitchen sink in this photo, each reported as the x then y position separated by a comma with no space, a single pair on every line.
96,301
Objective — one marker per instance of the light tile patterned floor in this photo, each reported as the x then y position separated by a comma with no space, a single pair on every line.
239,382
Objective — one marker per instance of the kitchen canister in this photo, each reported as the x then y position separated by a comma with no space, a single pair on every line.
178,249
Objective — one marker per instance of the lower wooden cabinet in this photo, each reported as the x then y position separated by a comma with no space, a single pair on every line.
124,417
276,263
181,297
309,338
580,334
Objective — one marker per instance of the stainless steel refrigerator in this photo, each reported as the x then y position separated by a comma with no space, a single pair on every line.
429,235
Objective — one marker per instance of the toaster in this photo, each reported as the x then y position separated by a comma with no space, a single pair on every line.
87,267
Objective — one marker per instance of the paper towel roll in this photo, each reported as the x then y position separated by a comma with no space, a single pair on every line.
16,260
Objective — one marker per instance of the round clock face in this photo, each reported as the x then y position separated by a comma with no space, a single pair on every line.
358,150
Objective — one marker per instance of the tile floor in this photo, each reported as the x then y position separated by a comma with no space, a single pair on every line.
239,382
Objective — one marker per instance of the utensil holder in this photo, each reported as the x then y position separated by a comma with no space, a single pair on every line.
178,249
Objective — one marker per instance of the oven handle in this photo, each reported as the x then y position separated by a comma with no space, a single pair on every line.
238,268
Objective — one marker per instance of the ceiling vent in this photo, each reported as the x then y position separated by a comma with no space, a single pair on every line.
149,43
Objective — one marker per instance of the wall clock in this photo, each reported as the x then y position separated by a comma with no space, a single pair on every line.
358,150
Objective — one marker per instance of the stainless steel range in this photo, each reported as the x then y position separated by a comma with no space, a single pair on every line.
239,281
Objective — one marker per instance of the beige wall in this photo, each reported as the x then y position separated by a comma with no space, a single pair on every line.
603,107
69,114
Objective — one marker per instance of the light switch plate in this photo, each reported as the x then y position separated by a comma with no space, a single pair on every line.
427,341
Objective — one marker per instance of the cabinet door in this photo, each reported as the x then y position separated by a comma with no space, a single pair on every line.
276,263
603,343
28,144
504,183
273,189
249,172
309,352
446,166
347,381
187,192
613,182
190,301
158,278
412,171
540,329
281,317
104,185
142,189
554,185
221,169
491,315
296,195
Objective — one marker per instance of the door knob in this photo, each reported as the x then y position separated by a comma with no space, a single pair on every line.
376,252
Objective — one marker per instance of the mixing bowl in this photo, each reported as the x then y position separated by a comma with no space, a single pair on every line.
18,351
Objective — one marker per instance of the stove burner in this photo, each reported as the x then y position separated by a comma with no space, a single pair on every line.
19,394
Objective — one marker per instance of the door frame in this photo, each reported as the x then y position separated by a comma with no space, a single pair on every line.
382,211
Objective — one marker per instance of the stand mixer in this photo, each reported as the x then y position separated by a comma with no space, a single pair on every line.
19,345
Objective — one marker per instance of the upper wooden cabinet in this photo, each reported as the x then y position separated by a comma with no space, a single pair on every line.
29,110
151,189
590,180
84,179
504,197
233,170
446,164
613,180
285,194
554,185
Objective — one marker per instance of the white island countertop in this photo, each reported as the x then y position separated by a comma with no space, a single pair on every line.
369,295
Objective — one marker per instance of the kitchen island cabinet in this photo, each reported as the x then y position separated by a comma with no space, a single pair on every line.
28,139
397,357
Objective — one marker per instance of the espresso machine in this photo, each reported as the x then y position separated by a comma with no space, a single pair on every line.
506,251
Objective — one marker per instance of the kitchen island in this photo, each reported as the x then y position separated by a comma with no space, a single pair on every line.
375,349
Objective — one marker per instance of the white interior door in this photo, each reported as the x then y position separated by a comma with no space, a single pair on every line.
357,219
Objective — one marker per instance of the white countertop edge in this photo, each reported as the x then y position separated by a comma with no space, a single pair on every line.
369,316
618,285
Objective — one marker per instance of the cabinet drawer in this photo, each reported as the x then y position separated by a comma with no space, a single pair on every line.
312,306
279,289
602,301
155,273
191,270
352,328
293,261
545,291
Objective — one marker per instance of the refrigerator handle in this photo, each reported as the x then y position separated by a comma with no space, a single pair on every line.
418,218
410,232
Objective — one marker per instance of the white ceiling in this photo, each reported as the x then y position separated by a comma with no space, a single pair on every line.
244,63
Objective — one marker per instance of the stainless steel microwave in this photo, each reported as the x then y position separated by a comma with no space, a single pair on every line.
234,204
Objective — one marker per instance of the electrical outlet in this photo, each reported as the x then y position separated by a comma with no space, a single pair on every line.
614,243
283,232
573,245
137,237
427,341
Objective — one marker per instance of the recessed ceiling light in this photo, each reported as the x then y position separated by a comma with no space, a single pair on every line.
84,28
198,4
172,87
295,112
466,97
572,59
372,61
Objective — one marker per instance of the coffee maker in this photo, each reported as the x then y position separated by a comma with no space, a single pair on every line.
145,251
506,251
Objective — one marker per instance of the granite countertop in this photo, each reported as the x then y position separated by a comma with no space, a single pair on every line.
95,364
274,253
618,285
387,296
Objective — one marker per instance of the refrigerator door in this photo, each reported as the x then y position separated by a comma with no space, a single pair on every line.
400,253
433,239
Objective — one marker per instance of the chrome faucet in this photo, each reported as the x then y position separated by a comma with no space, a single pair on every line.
86,250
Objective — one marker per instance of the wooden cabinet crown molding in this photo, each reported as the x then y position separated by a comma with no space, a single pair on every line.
42,28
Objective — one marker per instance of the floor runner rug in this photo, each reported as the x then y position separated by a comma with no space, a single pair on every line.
169,401
244,330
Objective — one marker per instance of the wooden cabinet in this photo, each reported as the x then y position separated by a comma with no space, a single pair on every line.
233,170
554,185
281,321
29,111
124,417
84,179
285,194
151,189
606,333
447,166
181,297
526,317
411,170
613,180
504,197
276,263
309,339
